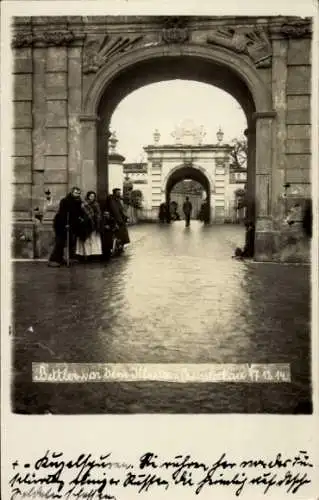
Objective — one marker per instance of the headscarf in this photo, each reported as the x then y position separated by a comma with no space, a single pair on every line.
93,211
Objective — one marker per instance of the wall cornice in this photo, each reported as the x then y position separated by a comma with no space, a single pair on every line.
52,38
101,34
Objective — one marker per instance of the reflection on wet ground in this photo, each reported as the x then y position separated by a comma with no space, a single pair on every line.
176,296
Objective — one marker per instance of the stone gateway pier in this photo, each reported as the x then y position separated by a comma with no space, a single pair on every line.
70,73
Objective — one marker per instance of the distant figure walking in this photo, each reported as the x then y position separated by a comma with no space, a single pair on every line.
91,246
68,224
187,209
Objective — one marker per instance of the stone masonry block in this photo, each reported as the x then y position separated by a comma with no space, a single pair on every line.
298,116
56,141
298,146
56,86
57,59
22,114
298,132
299,80
22,88
22,142
298,109
74,76
22,58
298,176
22,170
56,114
22,197
298,102
55,176
299,161
299,51
56,163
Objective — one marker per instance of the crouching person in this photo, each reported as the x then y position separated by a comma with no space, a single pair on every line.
248,251
107,235
67,226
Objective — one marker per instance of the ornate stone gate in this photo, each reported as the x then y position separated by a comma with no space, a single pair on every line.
70,73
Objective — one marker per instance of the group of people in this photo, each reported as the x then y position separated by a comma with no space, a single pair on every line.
86,231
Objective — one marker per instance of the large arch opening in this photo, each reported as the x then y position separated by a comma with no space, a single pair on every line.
234,73
187,172
164,68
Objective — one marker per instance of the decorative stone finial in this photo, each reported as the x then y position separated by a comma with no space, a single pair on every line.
220,135
113,141
156,136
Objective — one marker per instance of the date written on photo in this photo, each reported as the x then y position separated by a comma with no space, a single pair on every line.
175,373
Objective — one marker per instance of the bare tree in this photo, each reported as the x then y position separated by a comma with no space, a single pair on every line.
136,198
238,152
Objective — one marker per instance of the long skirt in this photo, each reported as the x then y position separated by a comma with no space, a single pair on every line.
91,246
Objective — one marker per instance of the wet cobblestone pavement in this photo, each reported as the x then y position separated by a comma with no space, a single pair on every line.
175,296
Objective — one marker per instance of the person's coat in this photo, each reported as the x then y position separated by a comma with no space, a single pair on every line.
70,212
187,208
116,210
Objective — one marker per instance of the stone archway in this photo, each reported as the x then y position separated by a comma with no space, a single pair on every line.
187,172
216,65
70,73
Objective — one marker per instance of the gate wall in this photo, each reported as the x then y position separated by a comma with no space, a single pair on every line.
57,62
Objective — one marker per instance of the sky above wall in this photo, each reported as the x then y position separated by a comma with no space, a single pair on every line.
166,105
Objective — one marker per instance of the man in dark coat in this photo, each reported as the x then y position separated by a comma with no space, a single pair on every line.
116,210
187,209
69,221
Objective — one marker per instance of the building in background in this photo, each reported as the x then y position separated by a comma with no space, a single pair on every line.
170,171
